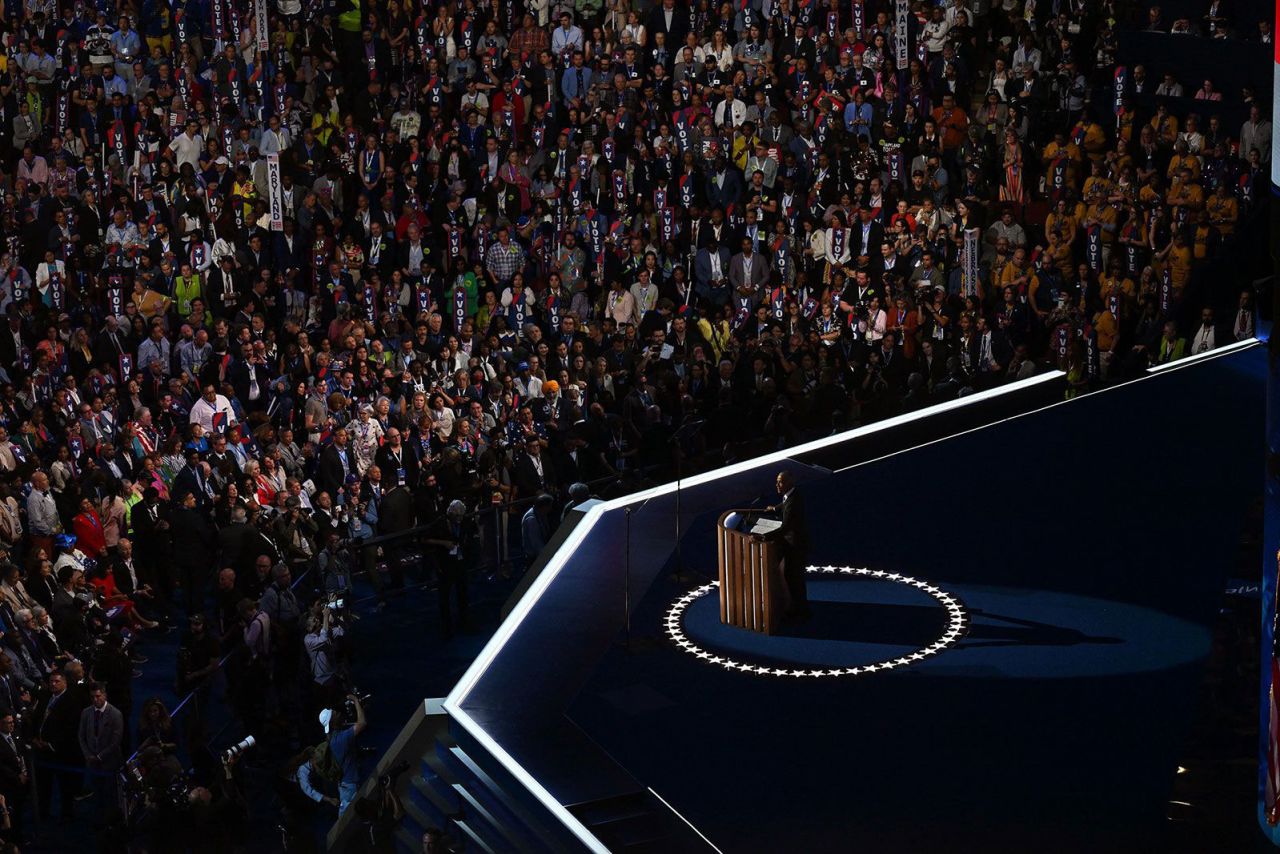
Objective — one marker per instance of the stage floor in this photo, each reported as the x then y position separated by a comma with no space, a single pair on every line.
1085,546
1011,738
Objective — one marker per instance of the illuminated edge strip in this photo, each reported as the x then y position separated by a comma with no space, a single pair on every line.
957,622
680,815
1189,361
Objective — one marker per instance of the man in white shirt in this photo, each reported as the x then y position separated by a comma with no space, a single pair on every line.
210,404
42,514
406,120
275,138
934,34
731,111
1169,88
1243,328
1026,56
186,146
1206,337
1256,133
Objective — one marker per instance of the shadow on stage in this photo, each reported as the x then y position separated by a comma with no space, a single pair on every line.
919,625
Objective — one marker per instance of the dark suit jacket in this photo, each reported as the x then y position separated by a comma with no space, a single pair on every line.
702,268
9,347
387,254
43,590
105,743
759,273
68,622
231,541
123,582
58,722
871,246
729,192
286,257
11,767
388,465
395,512
526,478
657,23
151,541
185,482
193,538
331,475
795,529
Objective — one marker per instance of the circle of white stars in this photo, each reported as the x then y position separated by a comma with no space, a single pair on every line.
957,624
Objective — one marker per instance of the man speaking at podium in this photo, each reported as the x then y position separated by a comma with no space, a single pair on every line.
794,536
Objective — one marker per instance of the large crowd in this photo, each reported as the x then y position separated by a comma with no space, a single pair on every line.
282,280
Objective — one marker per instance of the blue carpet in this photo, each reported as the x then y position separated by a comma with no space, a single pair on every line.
1000,743
859,621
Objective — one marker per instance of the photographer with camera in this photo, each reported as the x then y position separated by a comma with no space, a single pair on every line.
381,811
334,561
323,642
337,757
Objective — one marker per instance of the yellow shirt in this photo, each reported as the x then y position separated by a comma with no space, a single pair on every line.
1105,327
1011,272
1125,129
1098,186
1105,214
1188,196
741,146
1223,213
1200,241
246,191
1068,148
1179,263
1061,258
1186,161
1064,225
1128,290
1166,131
1095,141
1148,195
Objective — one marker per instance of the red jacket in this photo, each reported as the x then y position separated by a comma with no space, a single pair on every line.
88,530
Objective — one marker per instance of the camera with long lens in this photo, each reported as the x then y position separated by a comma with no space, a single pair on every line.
235,751
349,706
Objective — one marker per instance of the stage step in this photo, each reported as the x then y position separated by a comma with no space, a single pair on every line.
512,822
496,827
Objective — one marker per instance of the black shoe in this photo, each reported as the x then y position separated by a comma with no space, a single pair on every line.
138,658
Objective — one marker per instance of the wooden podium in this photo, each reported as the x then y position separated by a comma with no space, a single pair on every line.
750,583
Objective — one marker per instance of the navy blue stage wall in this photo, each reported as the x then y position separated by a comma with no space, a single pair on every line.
1120,510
